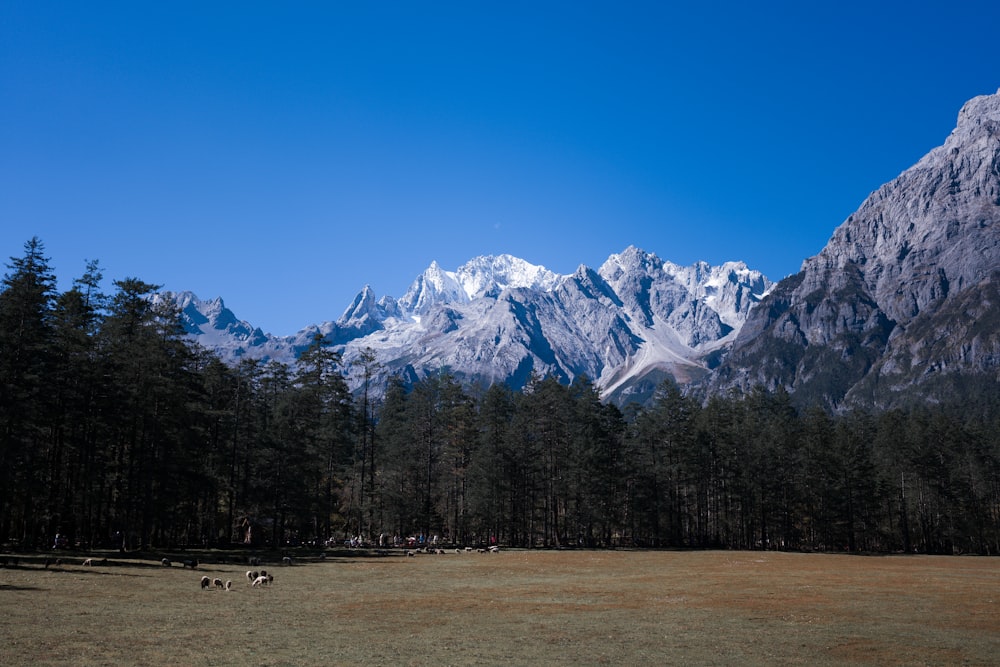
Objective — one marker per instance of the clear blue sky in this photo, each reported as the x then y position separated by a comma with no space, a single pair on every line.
283,155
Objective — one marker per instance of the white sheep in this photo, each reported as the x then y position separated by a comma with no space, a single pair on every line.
165,562
260,581
88,562
229,584
286,560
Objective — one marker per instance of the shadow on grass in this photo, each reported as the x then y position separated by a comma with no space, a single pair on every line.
8,587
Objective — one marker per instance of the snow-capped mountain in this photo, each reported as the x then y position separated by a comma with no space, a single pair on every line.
500,319
902,303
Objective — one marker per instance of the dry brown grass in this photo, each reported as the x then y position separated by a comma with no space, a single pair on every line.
513,608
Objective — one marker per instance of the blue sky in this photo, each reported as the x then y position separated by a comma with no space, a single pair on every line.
283,155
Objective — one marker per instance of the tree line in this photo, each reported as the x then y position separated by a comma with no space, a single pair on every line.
118,432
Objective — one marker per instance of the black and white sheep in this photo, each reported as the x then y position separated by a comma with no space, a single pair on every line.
205,583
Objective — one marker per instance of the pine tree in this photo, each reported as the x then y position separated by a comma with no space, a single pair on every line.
26,310
492,471
73,466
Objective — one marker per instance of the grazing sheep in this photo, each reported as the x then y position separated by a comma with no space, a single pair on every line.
165,562
494,549
259,581
229,584
218,583
205,583
270,578
251,575
263,573
190,563
88,562
286,560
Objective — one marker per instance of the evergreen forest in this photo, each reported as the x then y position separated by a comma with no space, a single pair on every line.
118,433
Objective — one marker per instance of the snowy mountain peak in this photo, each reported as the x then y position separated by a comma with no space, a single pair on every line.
484,276
489,275
362,304
432,287
630,260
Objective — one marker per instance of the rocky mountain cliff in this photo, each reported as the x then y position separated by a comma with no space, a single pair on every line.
903,300
627,325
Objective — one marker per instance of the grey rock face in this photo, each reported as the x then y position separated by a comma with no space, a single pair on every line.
920,241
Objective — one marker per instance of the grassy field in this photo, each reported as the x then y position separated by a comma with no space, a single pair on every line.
511,608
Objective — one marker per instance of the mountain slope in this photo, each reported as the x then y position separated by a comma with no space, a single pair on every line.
885,308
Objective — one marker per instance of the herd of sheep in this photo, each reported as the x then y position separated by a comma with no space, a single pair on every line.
254,578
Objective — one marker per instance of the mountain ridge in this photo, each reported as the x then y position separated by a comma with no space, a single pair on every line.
498,318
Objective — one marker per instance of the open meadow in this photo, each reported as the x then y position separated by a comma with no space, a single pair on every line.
511,608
